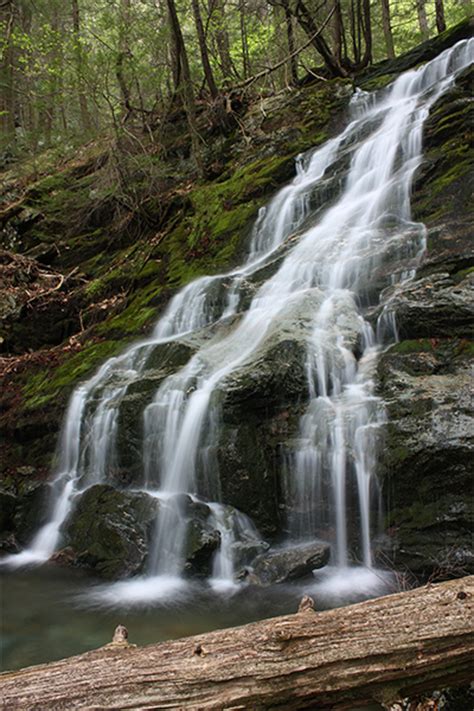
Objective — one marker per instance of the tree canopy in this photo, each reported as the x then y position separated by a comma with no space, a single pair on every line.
73,69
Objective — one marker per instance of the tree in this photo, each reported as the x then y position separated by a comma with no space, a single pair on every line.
440,20
183,82
291,43
387,28
422,19
203,49
80,68
7,93
218,30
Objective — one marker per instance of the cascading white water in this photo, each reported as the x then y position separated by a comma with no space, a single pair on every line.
330,264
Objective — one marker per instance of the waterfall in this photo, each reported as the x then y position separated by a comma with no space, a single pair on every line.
324,240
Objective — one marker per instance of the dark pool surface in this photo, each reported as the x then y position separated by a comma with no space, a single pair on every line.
49,613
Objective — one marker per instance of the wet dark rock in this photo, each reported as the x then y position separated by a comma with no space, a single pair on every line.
248,480
31,510
201,544
163,360
426,463
9,544
436,306
280,375
287,564
201,538
109,530
8,503
65,557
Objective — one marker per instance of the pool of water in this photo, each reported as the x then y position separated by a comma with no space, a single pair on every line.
50,613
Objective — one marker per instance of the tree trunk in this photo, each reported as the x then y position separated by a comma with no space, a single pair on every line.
337,31
291,43
218,26
123,56
376,651
440,21
184,87
367,33
7,93
422,19
387,29
243,39
203,49
308,24
79,60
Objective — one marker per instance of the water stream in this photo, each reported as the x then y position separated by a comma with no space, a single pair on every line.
322,240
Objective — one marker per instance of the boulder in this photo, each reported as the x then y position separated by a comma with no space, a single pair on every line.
201,544
437,306
8,503
9,544
109,530
291,563
31,509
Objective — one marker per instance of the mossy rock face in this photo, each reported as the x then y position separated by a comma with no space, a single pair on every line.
444,182
426,461
434,535
436,306
109,531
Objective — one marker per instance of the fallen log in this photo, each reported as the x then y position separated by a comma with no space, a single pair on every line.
380,650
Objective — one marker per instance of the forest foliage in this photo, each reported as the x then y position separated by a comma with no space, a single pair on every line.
72,70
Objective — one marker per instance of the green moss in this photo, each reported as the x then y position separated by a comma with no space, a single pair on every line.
465,348
41,388
377,83
420,345
400,453
138,313
207,240
425,513
444,186
463,273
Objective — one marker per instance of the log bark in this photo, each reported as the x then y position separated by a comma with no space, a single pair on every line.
380,650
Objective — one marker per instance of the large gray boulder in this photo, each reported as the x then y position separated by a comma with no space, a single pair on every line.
109,531
287,564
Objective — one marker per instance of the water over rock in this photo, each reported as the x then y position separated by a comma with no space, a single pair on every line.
276,372
225,408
